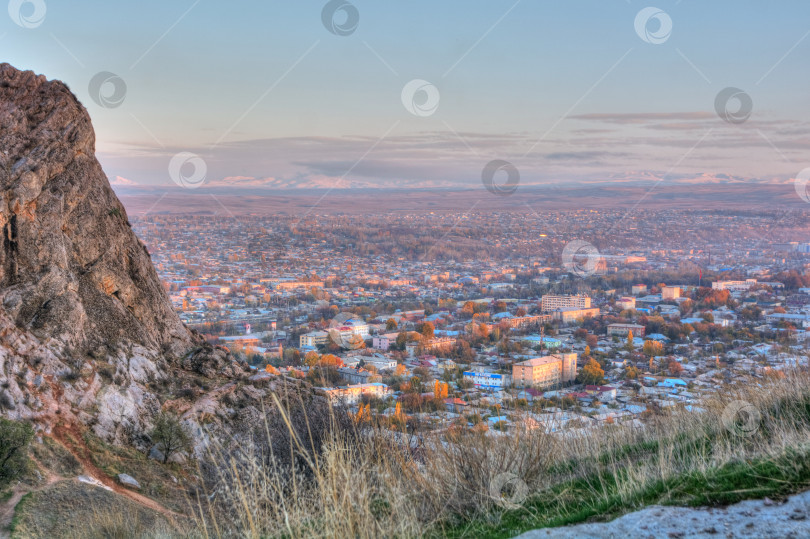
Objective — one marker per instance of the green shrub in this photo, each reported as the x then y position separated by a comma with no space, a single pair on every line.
14,440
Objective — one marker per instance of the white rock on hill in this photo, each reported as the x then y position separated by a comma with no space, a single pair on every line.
748,519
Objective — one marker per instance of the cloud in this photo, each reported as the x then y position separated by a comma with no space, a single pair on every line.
456,158
644,117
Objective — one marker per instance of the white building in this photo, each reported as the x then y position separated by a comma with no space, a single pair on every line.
488,380
552,303
670,292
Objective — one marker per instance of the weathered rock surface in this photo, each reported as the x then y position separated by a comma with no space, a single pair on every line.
87,332
749,519
70,266
128,480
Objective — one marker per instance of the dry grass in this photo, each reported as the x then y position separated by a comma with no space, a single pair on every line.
369,481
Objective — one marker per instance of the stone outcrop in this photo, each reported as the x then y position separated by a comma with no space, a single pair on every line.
749,519
87,331
70,265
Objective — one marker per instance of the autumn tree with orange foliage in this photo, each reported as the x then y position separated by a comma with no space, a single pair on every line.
592,373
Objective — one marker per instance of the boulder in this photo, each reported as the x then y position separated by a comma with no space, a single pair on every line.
128,480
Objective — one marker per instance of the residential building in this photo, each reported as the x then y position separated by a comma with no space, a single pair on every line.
545,371
572,314
314,339
623,329
551,303
670,292
354,393
487,380
626,302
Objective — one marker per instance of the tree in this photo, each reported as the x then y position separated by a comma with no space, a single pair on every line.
402,340
592,373
631,372
629,343
427,330
390,324
653,348
311,359
14,440
171,435
401,370
675,368
441,390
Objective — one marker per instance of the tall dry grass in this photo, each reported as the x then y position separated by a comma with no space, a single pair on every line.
367,481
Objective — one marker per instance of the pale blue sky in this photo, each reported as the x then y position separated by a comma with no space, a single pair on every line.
606,104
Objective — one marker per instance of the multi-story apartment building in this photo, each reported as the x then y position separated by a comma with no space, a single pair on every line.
623,330
314,339
572,314
743,285
487,380
547,371
670,292
354,393
551,303
627,302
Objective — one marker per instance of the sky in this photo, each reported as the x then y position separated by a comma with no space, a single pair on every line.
426,94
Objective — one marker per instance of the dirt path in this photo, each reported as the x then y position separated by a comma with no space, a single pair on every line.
8,507
93,471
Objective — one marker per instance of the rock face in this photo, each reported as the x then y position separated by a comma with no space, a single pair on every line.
70,266
86,328
751,519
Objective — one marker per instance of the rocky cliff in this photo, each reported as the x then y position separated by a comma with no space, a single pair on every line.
86,329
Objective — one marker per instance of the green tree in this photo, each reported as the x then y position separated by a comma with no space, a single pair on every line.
171,435
402,340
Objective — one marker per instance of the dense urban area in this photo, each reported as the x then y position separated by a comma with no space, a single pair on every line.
496,321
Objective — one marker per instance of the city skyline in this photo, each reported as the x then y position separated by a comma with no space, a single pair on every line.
318,107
